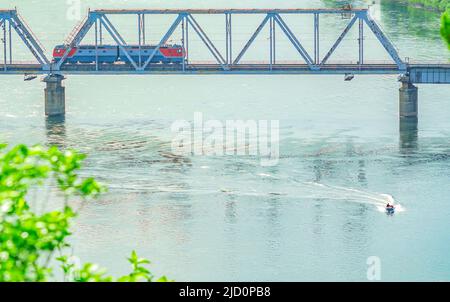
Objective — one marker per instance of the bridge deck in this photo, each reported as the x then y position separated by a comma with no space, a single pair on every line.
419,73
204,69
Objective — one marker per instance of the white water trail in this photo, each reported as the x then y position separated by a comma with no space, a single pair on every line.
379,200
314,190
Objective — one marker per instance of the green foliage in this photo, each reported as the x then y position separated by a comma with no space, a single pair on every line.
29,241
445,27
91,273
441,5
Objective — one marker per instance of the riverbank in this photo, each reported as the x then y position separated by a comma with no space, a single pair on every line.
439,6
436,5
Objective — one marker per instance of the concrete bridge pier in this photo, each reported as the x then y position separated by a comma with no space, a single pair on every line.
408,102
55,95
408,134
408,112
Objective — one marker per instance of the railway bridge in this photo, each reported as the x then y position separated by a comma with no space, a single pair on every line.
226,61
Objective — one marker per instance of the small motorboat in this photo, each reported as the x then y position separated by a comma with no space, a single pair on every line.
348,77
390,209
29,77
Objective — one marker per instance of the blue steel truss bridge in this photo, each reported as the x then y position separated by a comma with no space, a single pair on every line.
226,60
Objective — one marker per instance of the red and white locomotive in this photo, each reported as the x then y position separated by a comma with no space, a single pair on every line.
166,54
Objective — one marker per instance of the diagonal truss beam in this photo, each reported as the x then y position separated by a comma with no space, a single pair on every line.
290,35
376,30
339,40
84,28
29,39
287,31
197,28
163,40
117,38
252,38
115,32
384,41
77,38
188,19
32,46
13,19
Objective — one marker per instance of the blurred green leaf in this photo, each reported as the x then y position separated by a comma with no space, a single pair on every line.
28,241
445,27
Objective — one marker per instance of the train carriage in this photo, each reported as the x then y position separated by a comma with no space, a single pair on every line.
166,54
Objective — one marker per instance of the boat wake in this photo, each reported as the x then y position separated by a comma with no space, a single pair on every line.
270,186
379,200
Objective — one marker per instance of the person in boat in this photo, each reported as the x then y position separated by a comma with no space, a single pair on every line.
389,206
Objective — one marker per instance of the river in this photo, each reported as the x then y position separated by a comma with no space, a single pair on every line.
313,216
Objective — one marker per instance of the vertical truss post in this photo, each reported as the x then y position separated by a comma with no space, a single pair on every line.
4,45
96,45
187,39
143,29
316,39
140,38
271,41
183,39
361,42
101,33
10,42
229,45
274,41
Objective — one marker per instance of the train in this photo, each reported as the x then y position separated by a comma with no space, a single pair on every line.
166,54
